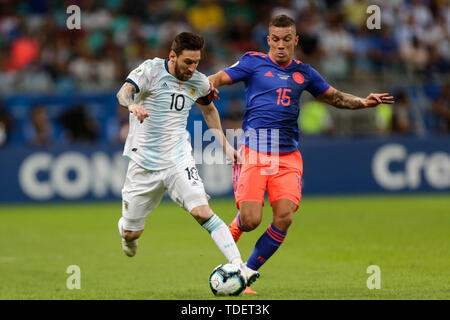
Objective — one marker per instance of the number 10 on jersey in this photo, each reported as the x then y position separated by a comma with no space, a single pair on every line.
177,102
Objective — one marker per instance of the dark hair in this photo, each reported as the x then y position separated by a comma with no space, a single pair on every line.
187,41
282,21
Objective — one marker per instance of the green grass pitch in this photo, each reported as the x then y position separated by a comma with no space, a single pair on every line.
326,254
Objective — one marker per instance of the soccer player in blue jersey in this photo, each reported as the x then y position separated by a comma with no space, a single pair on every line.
274,83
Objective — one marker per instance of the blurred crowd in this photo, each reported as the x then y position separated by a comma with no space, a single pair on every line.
408,56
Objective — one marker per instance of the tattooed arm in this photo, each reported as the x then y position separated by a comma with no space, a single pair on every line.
125,97
344,100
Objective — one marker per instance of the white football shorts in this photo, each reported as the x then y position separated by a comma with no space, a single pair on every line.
143,190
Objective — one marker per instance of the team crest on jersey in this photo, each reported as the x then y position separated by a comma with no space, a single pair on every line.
284,76
192,92
298,77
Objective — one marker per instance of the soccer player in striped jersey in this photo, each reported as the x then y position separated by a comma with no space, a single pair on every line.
158,144
274,83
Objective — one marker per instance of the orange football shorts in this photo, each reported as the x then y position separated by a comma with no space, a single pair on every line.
279,174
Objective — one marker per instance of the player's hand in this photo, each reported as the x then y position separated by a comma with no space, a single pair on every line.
375,99
138,111
214,92
232,155
237,158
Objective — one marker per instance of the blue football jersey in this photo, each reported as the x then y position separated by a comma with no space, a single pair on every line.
273,100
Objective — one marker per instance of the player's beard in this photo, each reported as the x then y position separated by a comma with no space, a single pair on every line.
180,74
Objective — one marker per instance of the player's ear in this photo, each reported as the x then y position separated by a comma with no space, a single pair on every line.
172,55
296,40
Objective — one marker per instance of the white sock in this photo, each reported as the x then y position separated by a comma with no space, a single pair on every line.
120,225
222,237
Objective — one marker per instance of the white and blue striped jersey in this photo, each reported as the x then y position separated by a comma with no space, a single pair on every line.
162,140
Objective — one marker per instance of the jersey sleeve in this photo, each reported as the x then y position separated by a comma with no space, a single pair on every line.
204,92
204,87
139,76
317,85
241,70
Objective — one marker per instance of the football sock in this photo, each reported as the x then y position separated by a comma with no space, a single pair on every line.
238,216
265,247
222,237
120,225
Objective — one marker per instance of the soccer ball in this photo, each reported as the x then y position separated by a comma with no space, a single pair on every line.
227,280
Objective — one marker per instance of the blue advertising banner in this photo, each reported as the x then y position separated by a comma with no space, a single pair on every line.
331,166
376,165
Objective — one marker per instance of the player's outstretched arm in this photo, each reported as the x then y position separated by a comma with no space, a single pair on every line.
125,97
219,79
344,100
212,119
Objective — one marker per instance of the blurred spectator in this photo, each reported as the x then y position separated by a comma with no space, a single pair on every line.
402,119
115,37
363,63
355,12
117,127
436,63
315,119
175,24
406,30
383,51
39,131
6,125
24,49
260,31
233,116
383,119
337,46
440,111
206,17
421,13
308,41
240,17
39,54
284,7
232,120
78,125
415,55
82,67
438,35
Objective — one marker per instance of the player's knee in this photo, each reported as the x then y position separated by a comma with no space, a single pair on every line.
249,223
201,213
250,215
131,235
283,221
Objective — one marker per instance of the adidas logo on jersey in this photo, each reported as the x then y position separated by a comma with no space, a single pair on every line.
165,86
268,74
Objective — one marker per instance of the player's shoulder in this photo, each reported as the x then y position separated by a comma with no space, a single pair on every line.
200,78
254,56
154,62
198,75
251,59
200,81
305,68
146,66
